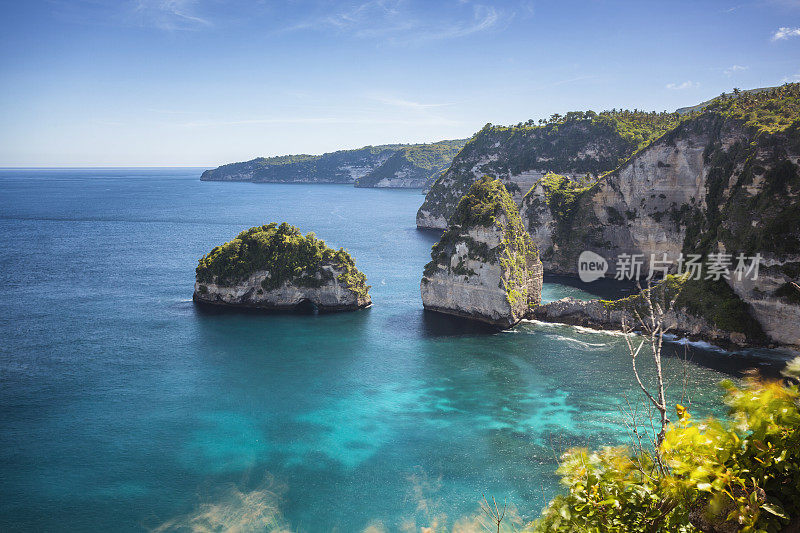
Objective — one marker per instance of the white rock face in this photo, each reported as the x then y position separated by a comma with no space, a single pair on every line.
534,207
330,296
356,172
632,209
474,288
778,318
403,178
657,180
427,220
477,295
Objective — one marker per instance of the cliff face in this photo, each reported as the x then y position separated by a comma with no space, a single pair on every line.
726,180
636,209
275,267
413,167
580,145
485,266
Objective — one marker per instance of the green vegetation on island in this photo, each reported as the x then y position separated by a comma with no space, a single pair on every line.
332,167
765,111
418,163
286,254
734,92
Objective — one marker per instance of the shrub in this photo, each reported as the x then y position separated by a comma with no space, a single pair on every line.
740,474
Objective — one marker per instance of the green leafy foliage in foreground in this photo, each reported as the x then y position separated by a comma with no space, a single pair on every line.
740,474
285,253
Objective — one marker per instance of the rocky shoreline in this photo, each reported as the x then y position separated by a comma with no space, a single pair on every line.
595,314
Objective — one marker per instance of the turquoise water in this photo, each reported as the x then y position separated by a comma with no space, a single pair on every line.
125,408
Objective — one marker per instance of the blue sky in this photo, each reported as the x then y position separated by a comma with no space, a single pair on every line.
204,82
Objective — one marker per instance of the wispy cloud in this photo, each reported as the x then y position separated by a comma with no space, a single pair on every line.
171,111
395,22
734,69
572,80
685,85
170,14
483,18
791,79
167,15
785,32
406,104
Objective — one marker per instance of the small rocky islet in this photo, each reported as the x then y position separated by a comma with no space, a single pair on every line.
485,266
276,268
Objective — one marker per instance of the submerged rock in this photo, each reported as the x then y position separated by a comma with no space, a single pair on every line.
274,267
485,266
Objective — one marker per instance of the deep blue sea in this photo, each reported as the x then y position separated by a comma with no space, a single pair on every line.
123,407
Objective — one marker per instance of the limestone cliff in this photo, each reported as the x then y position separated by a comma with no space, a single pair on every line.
274,267
581,145
485,266
725,180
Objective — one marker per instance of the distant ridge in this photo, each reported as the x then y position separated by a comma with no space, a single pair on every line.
703,105
414,167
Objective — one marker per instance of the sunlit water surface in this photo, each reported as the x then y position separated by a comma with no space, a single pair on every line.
123,407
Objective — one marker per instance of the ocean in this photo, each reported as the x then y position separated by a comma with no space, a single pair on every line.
123,407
